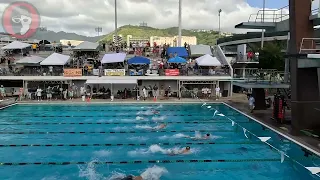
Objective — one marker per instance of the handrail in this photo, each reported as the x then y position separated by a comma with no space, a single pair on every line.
312,48
276,16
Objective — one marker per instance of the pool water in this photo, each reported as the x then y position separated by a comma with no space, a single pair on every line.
101,141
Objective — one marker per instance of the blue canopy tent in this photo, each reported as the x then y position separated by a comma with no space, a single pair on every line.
181,51
139,60
177,60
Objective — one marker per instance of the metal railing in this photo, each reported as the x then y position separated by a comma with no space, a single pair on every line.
259,75
268,15
309,46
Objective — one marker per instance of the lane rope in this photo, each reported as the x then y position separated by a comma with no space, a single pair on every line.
111,132
120,123
144,162
131,144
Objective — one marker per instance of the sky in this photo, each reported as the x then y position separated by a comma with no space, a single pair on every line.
83,16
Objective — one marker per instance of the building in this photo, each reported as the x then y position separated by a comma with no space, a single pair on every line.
65,42
172,41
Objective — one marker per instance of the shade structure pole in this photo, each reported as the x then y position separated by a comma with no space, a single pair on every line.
115,22
180,23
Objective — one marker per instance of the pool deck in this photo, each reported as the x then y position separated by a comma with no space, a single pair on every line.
264,116
238,101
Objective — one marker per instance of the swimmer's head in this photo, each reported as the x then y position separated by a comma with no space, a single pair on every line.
188,148
208,135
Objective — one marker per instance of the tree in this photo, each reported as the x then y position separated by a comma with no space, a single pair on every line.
271,57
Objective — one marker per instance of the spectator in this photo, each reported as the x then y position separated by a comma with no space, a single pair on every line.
39,91
50,70
49,93
155,91
217,92
145,94
251,103
3,92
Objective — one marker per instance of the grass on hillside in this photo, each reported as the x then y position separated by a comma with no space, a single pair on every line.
207,38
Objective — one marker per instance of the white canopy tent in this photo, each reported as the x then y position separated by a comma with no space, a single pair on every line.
113,58
30,60
16,45
112,81
208,60
55,59
196,50
86,46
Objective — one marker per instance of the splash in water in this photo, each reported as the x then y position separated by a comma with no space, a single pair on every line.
139,118
176,136
152,173
143,127
159,118
89,171
147,113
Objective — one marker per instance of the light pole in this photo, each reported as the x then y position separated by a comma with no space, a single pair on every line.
262,34
43,29
219,22
180,22
115,22
98,30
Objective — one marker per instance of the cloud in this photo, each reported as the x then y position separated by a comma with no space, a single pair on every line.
82,16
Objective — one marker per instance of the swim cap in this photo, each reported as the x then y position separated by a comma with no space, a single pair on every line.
208,134
188,147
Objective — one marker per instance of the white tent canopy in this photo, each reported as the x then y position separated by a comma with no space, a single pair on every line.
208,60
30,60
16,45
111,81
113,58
200,50
86,46
55,59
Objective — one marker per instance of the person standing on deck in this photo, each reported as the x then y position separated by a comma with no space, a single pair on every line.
49,93
145,94
217,92
251,103
39,90
3,92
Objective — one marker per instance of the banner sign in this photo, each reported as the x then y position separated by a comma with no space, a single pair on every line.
172,72
95,72
114,72
72,72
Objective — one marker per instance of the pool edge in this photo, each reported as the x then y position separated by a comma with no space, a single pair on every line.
288,136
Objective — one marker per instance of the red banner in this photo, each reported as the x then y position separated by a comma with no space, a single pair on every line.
172,72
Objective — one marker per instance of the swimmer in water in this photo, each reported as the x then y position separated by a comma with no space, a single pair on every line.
182,151
131,177
207,136
161,126
155,112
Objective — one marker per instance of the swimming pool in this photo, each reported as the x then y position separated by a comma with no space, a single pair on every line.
101,141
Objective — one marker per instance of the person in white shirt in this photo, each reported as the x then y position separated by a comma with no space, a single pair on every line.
50,70
251,103
145,94
39,94
217,92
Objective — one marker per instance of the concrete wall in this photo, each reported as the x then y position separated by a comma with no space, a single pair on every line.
282,26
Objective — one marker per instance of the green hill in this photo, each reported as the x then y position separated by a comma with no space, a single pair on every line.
208,37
